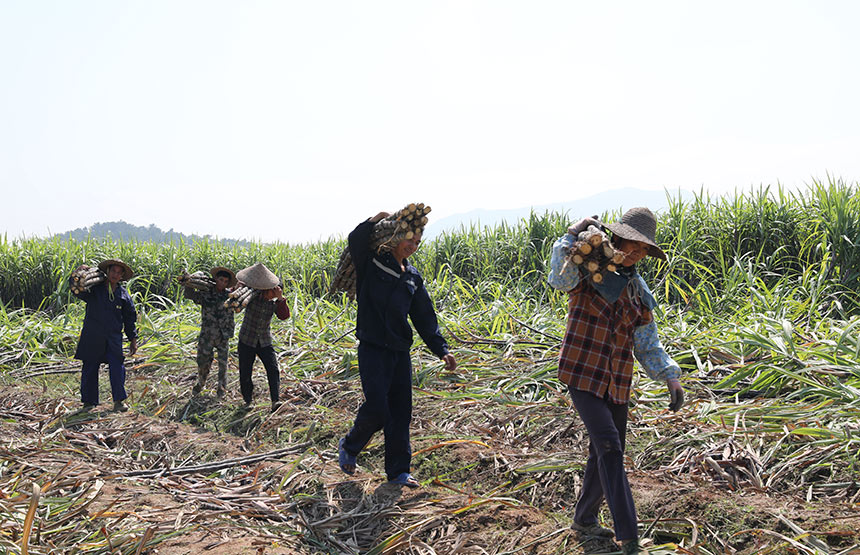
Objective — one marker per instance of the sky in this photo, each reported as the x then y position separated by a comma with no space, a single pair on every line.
293,121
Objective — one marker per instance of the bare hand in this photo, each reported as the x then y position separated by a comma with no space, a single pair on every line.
450,362
676,394
380,216
132,348
278,292
582,225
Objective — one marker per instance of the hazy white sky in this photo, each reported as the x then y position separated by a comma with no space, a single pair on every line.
295,120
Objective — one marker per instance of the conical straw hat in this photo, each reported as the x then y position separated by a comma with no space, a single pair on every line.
258,277
126,269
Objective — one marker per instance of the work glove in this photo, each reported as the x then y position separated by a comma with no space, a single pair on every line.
582,225
676,393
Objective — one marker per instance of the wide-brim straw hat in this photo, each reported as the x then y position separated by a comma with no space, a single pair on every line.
214,271
258,277
639,224
104,265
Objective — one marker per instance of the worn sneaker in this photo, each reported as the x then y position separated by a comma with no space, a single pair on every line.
592,529
220,394
87,407
120,406
195,391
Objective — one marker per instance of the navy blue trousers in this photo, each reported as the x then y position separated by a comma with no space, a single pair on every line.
247,355
605,476
90,379
386,380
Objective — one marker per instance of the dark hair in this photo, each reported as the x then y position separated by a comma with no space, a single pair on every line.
222,273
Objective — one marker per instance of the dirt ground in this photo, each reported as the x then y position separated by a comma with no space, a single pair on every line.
478,496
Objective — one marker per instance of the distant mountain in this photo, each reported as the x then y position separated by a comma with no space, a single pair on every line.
607,201
121,230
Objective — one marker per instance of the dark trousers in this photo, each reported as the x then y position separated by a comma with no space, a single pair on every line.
247,355
605,476
386,380
90,379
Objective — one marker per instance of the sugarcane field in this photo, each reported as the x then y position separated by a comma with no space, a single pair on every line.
758,302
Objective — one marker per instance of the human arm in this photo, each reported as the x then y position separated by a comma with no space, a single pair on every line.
423,316
359,243
129,320
563,275
658,365
191,294
582,225
282,311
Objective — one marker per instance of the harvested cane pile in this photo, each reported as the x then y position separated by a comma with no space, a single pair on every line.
84,278
387,233
595,254
198,280
238,298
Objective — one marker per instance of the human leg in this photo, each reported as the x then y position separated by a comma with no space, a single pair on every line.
247,354
270,362
373,412
90,382
223,360
116,371
205,354
398,451
607,426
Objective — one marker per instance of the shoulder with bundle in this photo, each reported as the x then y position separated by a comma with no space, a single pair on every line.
375,269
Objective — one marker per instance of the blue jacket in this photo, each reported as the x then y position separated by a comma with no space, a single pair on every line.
104,323
386,295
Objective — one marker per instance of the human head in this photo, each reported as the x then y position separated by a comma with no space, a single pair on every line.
638,225
123,272
219,272
222,281
115,273
407,247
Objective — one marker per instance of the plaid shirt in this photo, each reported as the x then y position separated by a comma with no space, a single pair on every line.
255,331
597,353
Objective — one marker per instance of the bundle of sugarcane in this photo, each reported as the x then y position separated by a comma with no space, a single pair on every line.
386,234
84,278
198,280
594,253
344,275
238,298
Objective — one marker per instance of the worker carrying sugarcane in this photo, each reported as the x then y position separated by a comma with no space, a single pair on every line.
216,327
389,289
255,336
609,322
109,311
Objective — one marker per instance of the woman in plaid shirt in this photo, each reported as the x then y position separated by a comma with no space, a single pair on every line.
608,324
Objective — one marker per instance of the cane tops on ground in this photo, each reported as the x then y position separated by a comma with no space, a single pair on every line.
258,277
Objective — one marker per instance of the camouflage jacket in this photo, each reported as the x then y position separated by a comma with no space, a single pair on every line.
215,318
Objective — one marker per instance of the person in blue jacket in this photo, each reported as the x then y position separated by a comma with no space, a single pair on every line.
388,289
110,310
